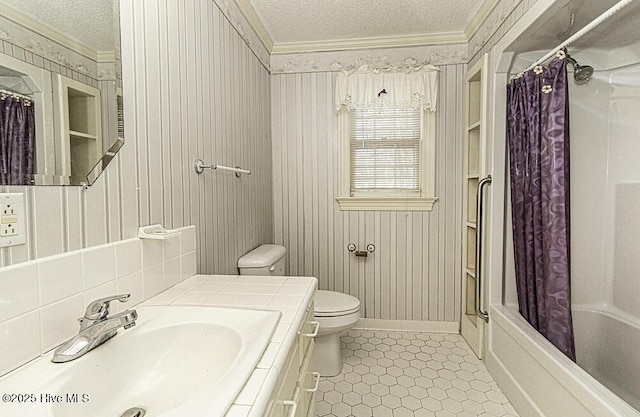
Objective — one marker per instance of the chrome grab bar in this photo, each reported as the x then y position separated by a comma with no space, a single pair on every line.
479,238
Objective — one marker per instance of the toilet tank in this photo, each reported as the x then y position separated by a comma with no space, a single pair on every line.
263,260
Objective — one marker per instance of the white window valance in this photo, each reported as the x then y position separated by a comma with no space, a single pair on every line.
407,88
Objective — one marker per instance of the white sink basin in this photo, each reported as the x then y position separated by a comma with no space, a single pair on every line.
177,361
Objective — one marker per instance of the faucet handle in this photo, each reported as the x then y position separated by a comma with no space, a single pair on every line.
99,309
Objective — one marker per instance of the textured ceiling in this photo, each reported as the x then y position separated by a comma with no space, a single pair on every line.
321,20
88,21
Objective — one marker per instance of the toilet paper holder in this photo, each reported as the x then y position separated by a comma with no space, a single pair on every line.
361,253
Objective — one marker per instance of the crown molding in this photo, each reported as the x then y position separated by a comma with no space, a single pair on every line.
41,29
105,57
426,39
478,19
409,57
255,22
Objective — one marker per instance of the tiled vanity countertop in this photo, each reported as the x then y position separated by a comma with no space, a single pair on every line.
289,295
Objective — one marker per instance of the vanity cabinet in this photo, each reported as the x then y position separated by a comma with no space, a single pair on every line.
295,394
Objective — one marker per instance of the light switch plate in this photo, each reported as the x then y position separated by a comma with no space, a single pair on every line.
12,220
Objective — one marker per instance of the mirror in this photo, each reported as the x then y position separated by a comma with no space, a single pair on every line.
60,90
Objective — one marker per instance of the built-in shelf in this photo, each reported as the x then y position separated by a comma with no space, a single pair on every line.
81,135
79,138
474,126
473,148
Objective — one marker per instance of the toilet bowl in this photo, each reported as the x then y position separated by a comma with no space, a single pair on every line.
335,311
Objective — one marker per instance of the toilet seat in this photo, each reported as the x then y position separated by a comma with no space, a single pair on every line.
334,304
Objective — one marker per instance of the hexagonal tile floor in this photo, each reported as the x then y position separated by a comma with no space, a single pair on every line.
402,374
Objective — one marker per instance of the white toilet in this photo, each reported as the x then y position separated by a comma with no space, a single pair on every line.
335,311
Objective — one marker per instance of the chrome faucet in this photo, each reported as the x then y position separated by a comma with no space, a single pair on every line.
96,327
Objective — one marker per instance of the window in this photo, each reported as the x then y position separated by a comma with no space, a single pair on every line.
385,150
386,140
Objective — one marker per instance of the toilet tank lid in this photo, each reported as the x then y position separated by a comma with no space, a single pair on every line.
264,255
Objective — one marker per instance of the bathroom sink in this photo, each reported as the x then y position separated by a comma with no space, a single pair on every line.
177,361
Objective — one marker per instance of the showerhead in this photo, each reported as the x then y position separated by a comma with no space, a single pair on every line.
581,74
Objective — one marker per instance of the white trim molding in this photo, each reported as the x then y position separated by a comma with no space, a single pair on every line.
241,15
452,327
396,202
500,11
252,17
386,204
375,58
25,40
478,19
51,34
354,44
320,56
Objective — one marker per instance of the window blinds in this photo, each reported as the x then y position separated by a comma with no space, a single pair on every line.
385,149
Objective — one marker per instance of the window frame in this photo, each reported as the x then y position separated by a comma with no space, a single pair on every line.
386,200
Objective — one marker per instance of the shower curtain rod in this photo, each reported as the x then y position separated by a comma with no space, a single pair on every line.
595,22
14,94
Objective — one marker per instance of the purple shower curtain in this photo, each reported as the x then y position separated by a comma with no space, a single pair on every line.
17,136
538,136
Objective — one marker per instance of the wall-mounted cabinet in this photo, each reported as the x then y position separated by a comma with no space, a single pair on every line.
79,135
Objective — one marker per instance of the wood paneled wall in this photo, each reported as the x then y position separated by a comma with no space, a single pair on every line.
201,93
192,88
414,272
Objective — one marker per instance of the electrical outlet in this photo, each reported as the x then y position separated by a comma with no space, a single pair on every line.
8,225
12,219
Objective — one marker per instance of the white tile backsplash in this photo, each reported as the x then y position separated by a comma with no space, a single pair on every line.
131,284
20,341
59,277
152,252
60,321
40,301
171,247
128,257
172,274
19,290
189,261
102,291
153,281
98,266
188,239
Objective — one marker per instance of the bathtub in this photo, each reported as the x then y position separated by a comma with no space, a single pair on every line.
615,365
541,381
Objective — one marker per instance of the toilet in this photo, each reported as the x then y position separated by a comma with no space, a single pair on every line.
335,311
